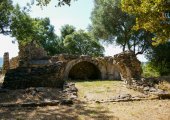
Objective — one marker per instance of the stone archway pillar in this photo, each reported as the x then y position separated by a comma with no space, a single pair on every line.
6,65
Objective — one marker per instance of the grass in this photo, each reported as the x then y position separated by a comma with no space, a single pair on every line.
84,110
102,90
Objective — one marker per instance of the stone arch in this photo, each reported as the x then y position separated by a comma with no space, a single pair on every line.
113,72
92,64
124,71
117,74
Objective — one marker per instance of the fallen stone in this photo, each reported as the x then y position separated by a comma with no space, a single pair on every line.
163,95
66,102
146,88
72,97
40,89
28,104
124,96
40,104
33,93
152,89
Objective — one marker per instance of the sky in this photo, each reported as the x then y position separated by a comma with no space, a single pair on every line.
78,15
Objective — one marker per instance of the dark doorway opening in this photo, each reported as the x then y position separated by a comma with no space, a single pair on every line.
84,71
116,75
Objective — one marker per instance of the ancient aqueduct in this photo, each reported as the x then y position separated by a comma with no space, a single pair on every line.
34,68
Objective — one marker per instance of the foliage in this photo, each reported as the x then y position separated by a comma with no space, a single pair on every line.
149,17
82,43
67,30
23,26
5,16
160,59
110,23
46,2
26,29
149,70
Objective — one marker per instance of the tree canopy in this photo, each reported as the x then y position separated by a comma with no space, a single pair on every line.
26,29
82,43
159,58
151,15
110,23
6,9
67,30
46,2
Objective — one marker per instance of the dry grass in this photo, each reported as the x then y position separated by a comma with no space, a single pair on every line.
165,85
102,90
81,110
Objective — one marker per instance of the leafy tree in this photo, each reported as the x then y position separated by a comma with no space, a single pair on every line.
67,30
140,41
6,9
160,59
23,27
149,17
110,23
26,29
82,43
59,2
149,70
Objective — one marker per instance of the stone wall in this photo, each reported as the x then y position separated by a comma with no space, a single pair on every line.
30,52
37,69
14,62
129,65
121,66
47,76
6,65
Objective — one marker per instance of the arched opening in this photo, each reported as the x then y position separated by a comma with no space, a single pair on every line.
116,75
84,71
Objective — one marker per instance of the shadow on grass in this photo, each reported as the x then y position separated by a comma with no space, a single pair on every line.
78,111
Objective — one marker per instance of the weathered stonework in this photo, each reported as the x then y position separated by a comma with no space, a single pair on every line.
6,65
14,62
30,52
37,69
48,76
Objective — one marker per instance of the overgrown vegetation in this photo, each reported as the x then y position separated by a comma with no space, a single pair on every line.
151,15
149,70
113,25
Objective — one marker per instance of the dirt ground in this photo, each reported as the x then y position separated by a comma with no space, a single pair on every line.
85,110
138,110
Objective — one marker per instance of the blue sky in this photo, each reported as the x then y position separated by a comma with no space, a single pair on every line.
78,15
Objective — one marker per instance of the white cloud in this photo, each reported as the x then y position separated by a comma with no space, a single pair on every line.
6,45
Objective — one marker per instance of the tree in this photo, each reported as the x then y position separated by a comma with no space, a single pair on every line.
149,17
67,30
6,9
26,29
23,27
82,43
110,23
160,59
46,2
149,70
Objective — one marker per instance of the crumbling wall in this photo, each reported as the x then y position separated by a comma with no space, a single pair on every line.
36,69
6,65
47,76
14,62
129,65
30,52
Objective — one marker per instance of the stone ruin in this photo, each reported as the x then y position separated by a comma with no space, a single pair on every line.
34,68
